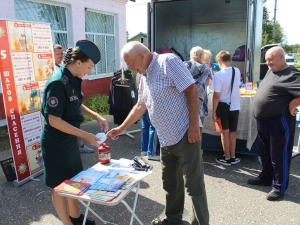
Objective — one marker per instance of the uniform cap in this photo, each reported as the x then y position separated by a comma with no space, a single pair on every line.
90,49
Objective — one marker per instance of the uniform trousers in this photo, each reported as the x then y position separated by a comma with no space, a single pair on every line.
275,140
182,166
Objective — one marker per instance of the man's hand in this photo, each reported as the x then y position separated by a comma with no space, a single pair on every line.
293,106
114,133
293,110
194,134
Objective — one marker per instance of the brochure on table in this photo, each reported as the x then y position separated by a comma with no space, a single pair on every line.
107,181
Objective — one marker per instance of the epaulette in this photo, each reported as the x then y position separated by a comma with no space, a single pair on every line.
64,79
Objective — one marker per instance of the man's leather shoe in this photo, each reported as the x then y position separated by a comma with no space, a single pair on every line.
258,181
273,196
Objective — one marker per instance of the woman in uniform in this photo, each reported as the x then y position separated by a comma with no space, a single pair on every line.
63,111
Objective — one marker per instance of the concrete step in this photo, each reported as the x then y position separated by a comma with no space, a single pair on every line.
3,123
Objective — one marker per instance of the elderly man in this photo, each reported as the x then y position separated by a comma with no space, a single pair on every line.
274,107
168,91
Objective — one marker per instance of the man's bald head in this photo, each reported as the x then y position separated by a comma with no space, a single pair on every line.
137,56
277,50
275,59
133,48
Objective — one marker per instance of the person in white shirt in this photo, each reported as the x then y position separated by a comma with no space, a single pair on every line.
226,105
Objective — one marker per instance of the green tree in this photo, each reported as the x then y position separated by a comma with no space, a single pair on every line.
267,36
287,48
291,48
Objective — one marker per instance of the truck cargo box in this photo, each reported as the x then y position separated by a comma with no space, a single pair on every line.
212,24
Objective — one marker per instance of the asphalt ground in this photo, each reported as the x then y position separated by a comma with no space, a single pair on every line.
230,199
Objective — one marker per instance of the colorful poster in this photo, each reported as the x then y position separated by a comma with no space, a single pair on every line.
20,36
43,66
41,34
26,62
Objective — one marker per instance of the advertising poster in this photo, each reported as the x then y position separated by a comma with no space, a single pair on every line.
26,63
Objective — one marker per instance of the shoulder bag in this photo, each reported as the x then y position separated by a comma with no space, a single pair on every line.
224,108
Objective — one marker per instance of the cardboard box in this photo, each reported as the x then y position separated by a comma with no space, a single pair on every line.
240,65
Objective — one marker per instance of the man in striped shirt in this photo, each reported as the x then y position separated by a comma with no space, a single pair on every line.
168,91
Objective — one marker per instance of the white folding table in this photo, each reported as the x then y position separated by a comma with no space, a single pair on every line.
86,201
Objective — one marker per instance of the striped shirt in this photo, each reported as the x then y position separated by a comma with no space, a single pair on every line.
162,91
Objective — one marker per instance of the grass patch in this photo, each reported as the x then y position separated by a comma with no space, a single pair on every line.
97,103
298,57
4,139
134,74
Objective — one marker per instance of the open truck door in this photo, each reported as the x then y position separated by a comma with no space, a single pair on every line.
212,24
254,39
263,66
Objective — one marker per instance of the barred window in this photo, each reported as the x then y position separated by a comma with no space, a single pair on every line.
100,28
40,12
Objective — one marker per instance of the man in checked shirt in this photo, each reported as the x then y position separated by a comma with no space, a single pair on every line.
168,91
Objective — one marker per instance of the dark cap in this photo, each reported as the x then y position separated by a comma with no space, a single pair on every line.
90,49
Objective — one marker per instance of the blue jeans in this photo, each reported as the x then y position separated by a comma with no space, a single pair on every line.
150,142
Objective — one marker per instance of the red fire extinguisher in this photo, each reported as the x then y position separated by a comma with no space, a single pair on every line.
104,153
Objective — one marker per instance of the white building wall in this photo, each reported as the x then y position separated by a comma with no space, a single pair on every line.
7,9
76,20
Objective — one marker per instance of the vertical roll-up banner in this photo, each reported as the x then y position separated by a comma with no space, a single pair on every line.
26,63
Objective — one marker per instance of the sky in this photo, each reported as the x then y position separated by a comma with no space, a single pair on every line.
286,15
136,17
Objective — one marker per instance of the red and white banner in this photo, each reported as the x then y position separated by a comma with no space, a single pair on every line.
26,62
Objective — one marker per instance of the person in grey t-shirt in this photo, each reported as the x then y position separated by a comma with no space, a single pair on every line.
274,107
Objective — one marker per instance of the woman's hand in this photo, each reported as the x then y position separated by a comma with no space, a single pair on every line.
92,139
102,123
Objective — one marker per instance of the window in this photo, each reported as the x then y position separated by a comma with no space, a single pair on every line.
40,12
142,40
289,60
100,28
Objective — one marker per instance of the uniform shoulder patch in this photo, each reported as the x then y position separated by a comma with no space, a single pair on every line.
64,79
52,102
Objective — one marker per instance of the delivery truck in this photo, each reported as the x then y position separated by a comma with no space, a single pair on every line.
290,59
211,24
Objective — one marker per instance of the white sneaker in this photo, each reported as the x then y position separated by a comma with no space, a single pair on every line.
86,149
154,158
